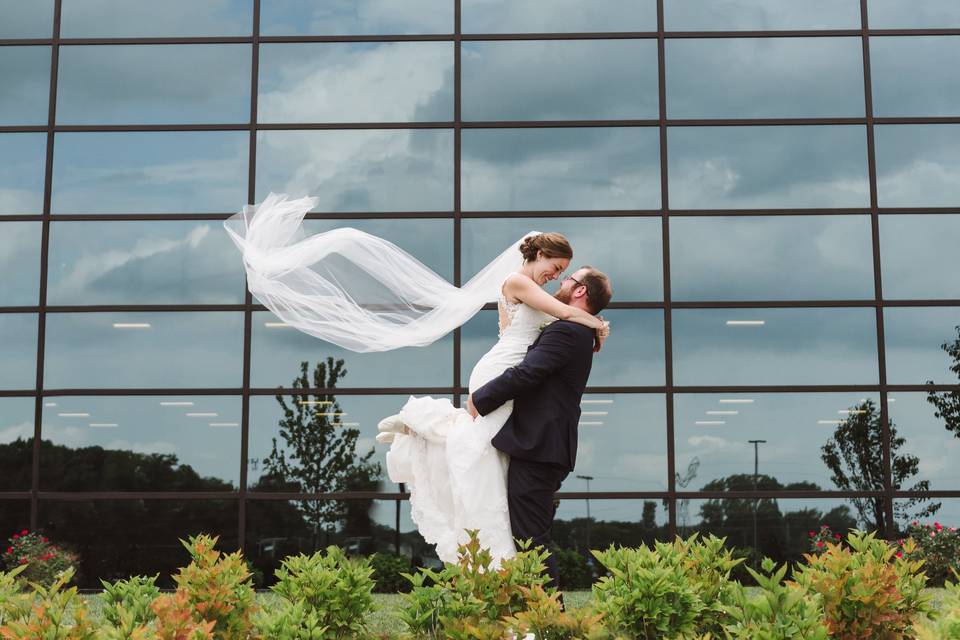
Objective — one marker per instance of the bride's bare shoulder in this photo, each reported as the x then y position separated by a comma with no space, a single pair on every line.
514,284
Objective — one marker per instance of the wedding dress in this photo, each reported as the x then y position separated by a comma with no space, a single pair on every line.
457,480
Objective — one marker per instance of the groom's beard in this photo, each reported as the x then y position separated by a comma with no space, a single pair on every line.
563,296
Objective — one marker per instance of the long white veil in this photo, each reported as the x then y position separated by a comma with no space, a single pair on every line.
351,288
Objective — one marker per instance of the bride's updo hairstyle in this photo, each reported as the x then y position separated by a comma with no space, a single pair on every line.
551,245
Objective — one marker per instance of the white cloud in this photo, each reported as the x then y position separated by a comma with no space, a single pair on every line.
13,432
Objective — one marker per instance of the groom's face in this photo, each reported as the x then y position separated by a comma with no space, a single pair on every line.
568,285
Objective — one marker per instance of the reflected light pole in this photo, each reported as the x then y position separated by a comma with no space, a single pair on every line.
756,501
588,479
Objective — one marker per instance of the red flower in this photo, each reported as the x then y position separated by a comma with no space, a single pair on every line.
823,526
9,549
813,533
23,561
837,536
819,544
899,554
24,532
44,539
15,536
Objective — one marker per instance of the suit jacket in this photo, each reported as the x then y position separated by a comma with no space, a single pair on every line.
546,388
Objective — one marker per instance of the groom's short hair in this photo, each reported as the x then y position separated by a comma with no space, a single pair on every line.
599,290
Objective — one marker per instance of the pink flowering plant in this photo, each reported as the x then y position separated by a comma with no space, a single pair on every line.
819,539
939,547
43,560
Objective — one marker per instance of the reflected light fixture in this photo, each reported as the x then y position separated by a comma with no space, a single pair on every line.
829,421
276,325
745,323
176,404
224,424
736,401
202,415
322,402
131,325
74,415
723,413
104,425
856,411
590,424
594,413
710,422
610,401
49,404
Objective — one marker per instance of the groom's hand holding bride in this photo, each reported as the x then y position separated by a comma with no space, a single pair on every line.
472,410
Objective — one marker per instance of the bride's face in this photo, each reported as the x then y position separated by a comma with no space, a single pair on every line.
547,269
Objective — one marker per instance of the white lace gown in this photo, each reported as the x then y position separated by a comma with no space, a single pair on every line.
457,480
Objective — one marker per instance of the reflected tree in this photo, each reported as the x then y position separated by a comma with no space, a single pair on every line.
947,403
854,456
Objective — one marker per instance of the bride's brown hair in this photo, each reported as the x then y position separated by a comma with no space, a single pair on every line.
551,245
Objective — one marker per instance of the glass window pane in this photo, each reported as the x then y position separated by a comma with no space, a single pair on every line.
918,344
16,444
560,80
933,441
771,258
764,78
154,84
33,19
123,262
15,515
713,434
774,346
918,256
949,513
278,350
628,250
150,172
152,530
561,169
26,76
632,356
729,15
768,167
143,349
622,443
348,82
22,158
305,437
535,16
143,18
20,263
912,76
140,443
355,17
374,170
917,165
612,522
904,14
18,335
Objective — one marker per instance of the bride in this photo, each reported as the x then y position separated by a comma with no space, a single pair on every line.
365,294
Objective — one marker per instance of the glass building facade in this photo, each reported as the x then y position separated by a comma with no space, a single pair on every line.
772,186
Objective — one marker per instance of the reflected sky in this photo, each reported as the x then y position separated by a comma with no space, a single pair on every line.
918,165
33,19
792,346
20,263
150,172
18,335
731,15
143,349
163,262
912,76
346,82
771,258
903,14
22,157
560,169
26,76
533,16
143,18
768,167
201,431
559,80
375,170
918,256
355,17
927,439
764,78
154,84
913,337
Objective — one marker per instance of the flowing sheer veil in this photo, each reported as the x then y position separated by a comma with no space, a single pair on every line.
351,288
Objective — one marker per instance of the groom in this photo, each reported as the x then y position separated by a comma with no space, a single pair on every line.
541,434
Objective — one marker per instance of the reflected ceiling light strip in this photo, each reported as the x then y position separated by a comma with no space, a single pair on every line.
332,414
829,421
723,413
176,404
746,323
224,424
594,413
202,415
856,411
349,424
590,424
49,404
131,325
323,402
736,401
276,325
891,399
74,415
104,425
596,401
710,422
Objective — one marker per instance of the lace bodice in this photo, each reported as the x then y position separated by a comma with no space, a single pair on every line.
518,321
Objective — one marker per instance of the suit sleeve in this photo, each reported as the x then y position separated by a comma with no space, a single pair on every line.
556,346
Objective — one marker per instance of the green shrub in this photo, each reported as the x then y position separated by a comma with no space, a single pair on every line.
544,618
14,602
127,602
48,618
575,571
709,563
44,560
388,573
946,626
938,547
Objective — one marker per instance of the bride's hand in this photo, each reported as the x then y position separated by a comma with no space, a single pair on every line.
602,333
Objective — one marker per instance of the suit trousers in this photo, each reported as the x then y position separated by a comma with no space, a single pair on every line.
530,489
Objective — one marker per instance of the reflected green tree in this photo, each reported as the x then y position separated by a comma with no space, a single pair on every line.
854,456
947,403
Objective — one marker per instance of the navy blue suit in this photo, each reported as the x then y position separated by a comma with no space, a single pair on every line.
541,434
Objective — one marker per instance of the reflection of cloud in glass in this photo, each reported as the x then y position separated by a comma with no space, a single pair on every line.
16,419
151,172
143,263
21,172
19,263
355,17
18,335
898,14
918,165
720,15
764,78
768,167
926,438
911,76
374,170
26,78
356,82
918,256
142,18
771,258
154,84
913,337
561,169
33,19
532,16
559,80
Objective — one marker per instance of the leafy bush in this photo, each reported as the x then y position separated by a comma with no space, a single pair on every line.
575,570
44,560
777,611
14,602
127,602
819,539
710,564
947,625
868,592
47,619
938,547
324,596
544,618
388,570
176,619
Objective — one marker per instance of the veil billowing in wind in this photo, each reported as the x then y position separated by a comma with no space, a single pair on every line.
351,288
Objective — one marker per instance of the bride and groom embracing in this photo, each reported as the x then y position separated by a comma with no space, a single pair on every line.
495,465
